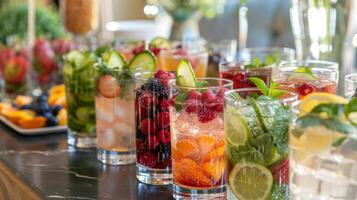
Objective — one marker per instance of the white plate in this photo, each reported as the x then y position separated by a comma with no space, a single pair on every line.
33,131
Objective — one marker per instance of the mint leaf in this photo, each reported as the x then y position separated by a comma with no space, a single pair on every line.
351,107
279,191
280,129
256,62
255,106
100,50
244,153
201,84
260,84
180,100
305,70
126,80
339,142
277,93
235,96
264,144
329,109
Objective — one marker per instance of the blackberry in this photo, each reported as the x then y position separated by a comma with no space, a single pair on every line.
155,85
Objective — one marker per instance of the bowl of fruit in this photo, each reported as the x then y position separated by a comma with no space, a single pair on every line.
36,115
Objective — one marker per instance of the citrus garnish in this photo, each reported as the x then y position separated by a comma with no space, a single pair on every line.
250,181
185,74
237,130
143,61
160,42
312,100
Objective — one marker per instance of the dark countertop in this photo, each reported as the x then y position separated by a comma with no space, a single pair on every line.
56,171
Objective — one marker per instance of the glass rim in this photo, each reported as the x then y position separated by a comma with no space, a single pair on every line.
329,65
140,75
237,63
227,83
227,96
349,77
262,49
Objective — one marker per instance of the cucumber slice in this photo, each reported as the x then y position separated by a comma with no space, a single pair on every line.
160,42
143,61
113,59
82,114
185,75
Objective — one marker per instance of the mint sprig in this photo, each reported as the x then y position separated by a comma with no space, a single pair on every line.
270,91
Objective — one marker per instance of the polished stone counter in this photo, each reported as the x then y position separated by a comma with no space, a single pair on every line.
44,167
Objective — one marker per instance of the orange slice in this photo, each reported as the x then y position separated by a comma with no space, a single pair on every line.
214,168
187,148
205,143
36,122
187,172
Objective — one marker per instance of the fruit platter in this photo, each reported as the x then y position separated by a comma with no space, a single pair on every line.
36,115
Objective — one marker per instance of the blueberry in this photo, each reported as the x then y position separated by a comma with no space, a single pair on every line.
41,108
26,107
56,109
43,98
15,105
51,120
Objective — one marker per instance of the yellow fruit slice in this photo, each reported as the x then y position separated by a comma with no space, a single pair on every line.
312,100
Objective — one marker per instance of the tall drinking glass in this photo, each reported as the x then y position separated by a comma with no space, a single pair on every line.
197,137
272,55
256,135
152,122
323,149
351,85
305,77
79,75
115,117
221,51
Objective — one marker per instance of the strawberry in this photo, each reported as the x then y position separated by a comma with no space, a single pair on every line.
108,87
15,70
147,126
281,172
163,120
164,136
5,55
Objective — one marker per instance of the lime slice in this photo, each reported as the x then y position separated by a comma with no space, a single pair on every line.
249,181
314,99
113,59
160,42
185,75
143,61
301,77
237,129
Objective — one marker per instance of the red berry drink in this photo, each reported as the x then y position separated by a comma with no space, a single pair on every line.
153,142
239,73
307,77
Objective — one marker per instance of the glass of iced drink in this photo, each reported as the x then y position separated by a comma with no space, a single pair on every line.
307,77
115,116
350,85
197,137
323,150
256,136
267,54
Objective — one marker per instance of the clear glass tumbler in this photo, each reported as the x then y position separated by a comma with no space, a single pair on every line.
305,77
256,136
79,75
197,137
115,117
351,85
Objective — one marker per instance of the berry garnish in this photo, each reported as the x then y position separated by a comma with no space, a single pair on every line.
218,104
147,126
205,114
281,172
193,94
192,106
147,159
163,120
140,146
153,142
164,105
305,88
164,77
208,97
164,136
148,99
108,87
221,92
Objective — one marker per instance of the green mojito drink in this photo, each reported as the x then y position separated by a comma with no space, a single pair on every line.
256,132
79,75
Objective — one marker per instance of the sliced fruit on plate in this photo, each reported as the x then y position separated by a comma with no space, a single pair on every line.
144,61
250,181
185,74
113,59
57,89
21,100
35,122
108,86
312,100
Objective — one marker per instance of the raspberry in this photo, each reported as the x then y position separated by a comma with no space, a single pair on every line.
147,126
205,114
155,50
153,142
140,146
141,112
221,92
164,77
193,94
148,99
192,106
164,136
305,88
218,104
138,49
147,159
281,172
208,97
163,119
164,105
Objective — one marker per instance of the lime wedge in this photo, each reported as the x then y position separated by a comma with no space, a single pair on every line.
143,61
249,181
185,75
237,129
160,42
113,59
